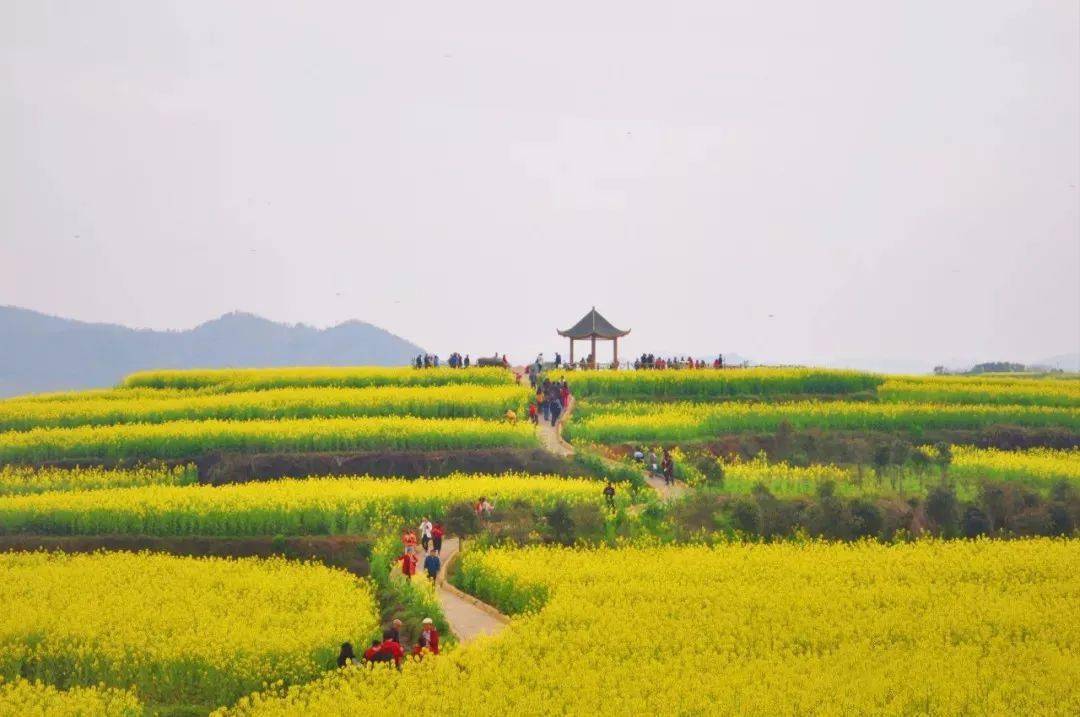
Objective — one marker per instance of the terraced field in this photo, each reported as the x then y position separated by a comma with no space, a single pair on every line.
810,560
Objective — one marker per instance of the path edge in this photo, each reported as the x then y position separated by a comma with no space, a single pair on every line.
476,602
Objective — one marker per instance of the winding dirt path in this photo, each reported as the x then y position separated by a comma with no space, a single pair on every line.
552,441
469,617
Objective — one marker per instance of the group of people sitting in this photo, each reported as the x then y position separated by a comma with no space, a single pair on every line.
649,361
390,649
432,361
552,398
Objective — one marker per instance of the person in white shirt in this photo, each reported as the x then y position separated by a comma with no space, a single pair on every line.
425,533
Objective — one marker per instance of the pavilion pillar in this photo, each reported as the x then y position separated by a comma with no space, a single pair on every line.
616,361
594,351
571,351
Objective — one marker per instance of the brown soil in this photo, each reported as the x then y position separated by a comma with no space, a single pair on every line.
347,552
240,468
222,468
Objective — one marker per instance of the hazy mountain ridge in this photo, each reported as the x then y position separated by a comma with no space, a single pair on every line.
39,352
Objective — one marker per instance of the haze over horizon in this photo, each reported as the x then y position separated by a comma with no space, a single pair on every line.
815,185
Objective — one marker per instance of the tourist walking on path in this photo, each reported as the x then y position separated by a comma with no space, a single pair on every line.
555,410
436,537
667,467
432,563
425,533
564,395
408,564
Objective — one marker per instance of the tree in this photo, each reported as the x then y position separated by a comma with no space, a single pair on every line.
461,520
561,523
943,458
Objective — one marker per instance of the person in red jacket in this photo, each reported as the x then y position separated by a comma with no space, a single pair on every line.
436,537
408,565
387,650
429,638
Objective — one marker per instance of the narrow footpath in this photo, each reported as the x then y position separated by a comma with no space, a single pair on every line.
470,617
467,616
552,441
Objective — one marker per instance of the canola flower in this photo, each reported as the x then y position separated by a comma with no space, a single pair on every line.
979,390
455,401
254,379
103,394
615,422
200,631
1035,467
183,439
944,628
21,697
20,480
315,506
709,383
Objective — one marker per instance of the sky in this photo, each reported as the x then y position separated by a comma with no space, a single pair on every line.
833,182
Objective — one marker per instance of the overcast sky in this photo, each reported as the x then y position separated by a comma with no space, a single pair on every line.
791,181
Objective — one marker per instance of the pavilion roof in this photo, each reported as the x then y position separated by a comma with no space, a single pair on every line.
593,324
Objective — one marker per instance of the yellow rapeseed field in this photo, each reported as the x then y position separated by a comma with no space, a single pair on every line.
711,384
943,628
22,698
176,630
18,480
976,389
1035,467
183,439
639,421
248,379
315,506
456,401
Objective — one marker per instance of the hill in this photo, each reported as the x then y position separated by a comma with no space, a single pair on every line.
48,353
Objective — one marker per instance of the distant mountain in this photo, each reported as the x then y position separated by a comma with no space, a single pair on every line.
47,353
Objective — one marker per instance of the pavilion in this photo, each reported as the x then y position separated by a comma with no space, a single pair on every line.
592,327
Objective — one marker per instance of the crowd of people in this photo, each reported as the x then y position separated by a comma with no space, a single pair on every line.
650,361
552,399
456,360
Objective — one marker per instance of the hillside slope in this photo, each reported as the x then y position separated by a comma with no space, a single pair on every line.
46,353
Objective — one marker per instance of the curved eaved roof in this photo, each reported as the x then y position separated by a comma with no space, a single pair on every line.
593,324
